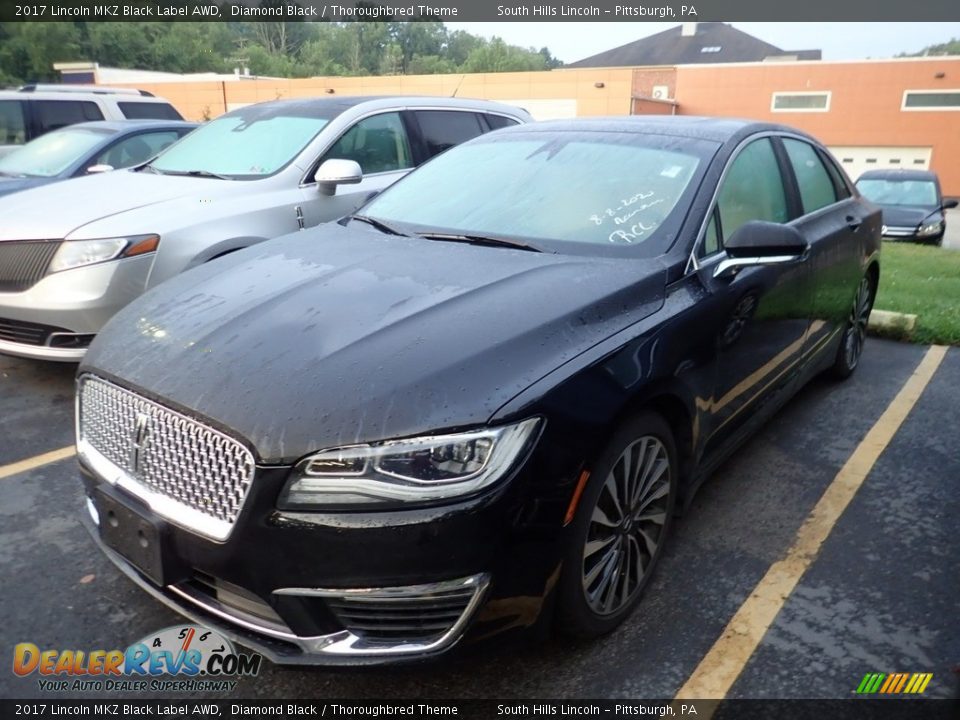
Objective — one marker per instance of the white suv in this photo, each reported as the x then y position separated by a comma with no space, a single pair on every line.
33,110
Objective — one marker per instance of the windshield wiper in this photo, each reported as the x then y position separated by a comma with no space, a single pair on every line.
188,173
481,240
379,225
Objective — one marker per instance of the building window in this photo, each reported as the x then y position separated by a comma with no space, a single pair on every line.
800,102
931,100
711,49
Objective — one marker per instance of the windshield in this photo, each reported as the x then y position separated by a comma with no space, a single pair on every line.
51,154
899,192
583,192
241,148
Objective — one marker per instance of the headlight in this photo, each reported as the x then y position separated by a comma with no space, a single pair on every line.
930,228
418,469
76,253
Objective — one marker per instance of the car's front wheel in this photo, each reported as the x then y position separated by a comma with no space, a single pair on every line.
619,529
855,332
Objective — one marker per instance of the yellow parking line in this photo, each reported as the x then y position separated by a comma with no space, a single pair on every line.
37,461
723,663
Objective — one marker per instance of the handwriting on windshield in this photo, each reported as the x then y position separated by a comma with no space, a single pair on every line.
624,214
625,210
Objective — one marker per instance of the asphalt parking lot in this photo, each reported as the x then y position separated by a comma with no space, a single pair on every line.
881,595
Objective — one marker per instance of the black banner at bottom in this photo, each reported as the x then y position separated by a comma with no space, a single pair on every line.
854,709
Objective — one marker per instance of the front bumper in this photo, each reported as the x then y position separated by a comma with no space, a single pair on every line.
298,587
57,317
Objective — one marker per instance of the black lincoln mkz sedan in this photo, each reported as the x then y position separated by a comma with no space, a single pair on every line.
474,406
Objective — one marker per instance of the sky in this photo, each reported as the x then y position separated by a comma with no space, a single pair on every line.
571,41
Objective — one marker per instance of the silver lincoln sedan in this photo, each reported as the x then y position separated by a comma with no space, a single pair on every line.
73,254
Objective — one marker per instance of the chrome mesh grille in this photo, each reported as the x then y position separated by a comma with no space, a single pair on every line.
186,471
24,263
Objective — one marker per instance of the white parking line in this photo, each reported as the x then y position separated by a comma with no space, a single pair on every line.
723,663
37,461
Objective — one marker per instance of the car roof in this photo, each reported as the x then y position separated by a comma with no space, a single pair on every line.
332,106
120,126
898,174
721,130
74,94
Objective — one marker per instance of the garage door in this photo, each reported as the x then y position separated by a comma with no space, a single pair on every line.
547,109
856,160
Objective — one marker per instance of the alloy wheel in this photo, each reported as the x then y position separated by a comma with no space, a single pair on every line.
626,526
857,325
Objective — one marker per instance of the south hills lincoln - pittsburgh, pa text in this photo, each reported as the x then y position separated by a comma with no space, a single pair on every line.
634,11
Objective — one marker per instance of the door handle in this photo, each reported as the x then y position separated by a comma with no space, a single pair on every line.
854,222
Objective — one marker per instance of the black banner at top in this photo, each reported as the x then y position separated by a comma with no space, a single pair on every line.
478,10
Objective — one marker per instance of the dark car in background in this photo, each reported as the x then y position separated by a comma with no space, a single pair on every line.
474,406
913,206
87,148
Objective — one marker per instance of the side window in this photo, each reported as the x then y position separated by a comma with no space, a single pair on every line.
13,129
53,114
148,111
442,129
816,186
136,149
752,189
500,121
711,241
379,143
840,185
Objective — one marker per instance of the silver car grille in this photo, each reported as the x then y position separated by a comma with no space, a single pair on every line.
23,263
186,471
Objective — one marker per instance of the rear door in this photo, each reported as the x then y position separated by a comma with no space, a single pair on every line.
832,221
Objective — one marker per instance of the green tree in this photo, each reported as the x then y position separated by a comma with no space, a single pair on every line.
951,47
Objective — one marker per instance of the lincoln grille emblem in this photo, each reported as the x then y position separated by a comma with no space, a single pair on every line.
141,438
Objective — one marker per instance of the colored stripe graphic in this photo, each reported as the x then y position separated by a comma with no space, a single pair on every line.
894,683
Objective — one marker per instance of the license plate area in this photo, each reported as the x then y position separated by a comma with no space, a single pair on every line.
142,540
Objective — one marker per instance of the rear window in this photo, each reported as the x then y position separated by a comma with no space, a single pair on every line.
442,129
500,121
12,126
148,111
54,114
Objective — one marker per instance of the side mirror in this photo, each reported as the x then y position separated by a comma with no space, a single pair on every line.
337,172
102,168
949,204
761,243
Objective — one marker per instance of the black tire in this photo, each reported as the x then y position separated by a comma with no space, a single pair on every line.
855,331
579,611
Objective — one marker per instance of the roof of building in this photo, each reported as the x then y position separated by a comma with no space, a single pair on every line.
694,43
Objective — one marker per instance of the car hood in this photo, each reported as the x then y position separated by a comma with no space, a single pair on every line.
56,210
908,216
9,185
340,335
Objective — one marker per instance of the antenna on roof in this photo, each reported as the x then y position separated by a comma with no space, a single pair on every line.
457,88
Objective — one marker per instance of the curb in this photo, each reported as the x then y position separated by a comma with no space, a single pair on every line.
885,322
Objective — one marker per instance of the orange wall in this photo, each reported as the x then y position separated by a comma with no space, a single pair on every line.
864,109
199,100
864,106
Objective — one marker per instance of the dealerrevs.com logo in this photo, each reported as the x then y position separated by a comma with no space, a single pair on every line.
182,658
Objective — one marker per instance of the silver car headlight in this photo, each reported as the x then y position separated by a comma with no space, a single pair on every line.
77,253
433,467
928,229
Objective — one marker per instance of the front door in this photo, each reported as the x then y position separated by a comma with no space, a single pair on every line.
763,310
